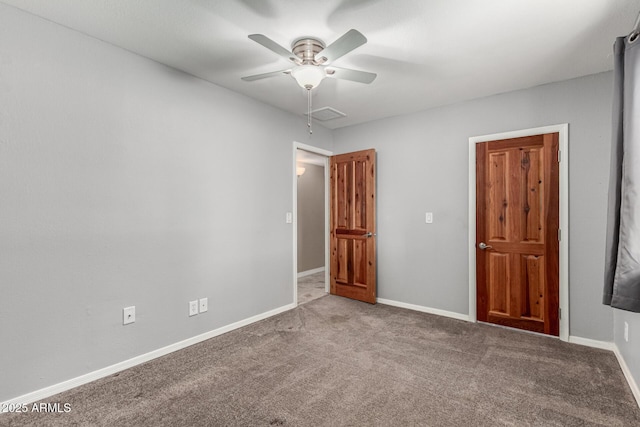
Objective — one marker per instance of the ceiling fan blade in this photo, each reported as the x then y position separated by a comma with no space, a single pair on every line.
273,46
353,75
266,75
345,44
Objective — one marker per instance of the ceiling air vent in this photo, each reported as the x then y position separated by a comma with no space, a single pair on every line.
326,113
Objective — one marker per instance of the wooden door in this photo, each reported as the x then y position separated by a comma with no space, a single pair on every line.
517,219
353,225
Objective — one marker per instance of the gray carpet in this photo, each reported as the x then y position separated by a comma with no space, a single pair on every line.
311,287
337,362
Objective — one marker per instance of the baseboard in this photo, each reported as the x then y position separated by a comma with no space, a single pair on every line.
424,309
310,272
627,374
110,370
604,345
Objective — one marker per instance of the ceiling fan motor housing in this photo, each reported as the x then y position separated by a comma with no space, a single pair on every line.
306,48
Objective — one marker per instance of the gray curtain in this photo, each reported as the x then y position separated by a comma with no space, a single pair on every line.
622,261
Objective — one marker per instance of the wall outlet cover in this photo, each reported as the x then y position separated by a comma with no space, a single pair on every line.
128,315
193,308
204,304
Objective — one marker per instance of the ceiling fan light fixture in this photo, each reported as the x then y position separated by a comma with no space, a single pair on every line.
308,76
309,56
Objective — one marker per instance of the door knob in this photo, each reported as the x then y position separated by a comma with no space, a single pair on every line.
369,234
483,246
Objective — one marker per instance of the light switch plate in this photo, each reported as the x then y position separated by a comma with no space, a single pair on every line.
428,218
289,218
128,315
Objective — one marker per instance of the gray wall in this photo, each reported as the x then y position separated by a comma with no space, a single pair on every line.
423,166
124,182
630,350
311,232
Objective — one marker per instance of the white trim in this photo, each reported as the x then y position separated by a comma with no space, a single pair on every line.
588,342
310,272
473,315
627,374
327,223
603,345
563,140
312,149
300,146
110,370
424,309
118,367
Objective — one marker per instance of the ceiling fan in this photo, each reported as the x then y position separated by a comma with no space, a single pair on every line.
311,59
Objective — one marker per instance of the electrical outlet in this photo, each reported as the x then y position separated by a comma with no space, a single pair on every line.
193,308
128,315
626,331
204,304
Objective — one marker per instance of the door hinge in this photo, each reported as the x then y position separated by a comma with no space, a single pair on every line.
559,157
559,235
559,313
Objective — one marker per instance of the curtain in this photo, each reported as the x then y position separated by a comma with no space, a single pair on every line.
622,257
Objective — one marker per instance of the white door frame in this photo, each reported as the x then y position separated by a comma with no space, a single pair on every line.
563,131
315,150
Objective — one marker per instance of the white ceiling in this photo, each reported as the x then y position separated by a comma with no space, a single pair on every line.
426,53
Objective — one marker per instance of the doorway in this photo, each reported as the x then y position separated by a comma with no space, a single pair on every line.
517,223
498,304
353,225
311,222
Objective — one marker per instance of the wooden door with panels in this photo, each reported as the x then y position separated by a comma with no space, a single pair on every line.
353,225
517,238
